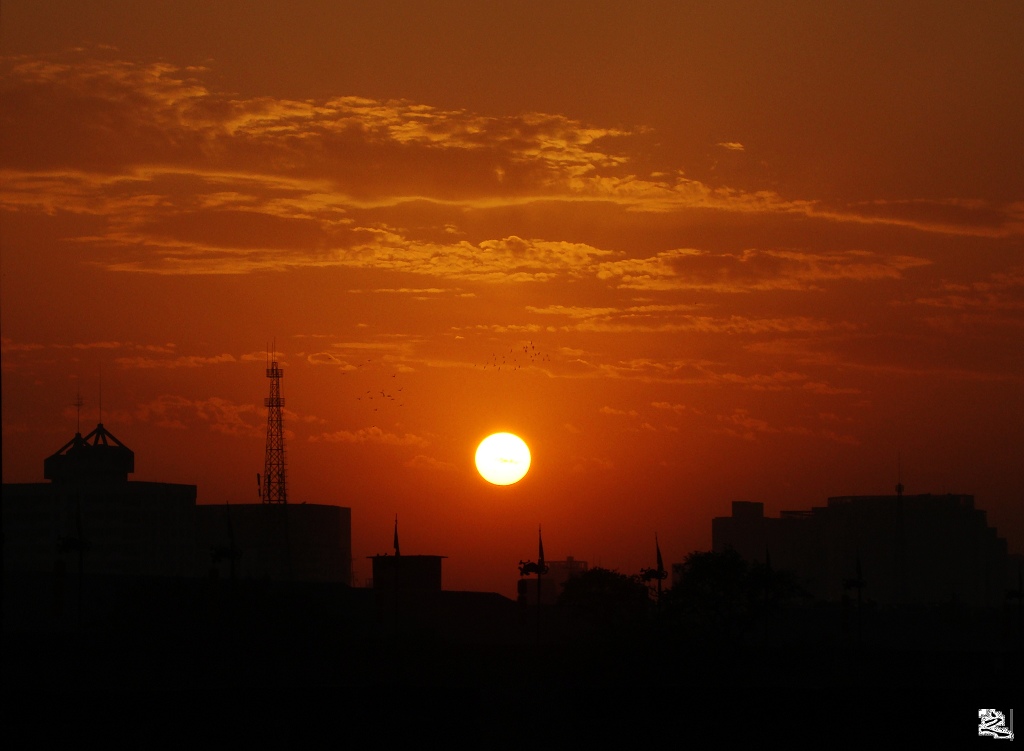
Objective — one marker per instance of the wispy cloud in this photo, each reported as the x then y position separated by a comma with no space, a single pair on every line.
327,358
754,270
221,415
370,435
9,345
999,293
740,424
677,408
184,361
185,179
624,412
145,113
510,259
600,321
421,461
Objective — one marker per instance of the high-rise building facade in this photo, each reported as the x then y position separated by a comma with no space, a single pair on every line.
898,549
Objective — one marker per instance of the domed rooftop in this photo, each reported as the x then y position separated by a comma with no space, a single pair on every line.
97,457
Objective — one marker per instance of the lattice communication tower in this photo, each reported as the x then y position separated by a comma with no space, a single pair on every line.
275,489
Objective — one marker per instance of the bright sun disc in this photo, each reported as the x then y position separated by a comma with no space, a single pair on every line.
502,458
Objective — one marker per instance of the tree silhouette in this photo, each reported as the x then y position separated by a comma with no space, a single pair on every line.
711,596
721,596
606,602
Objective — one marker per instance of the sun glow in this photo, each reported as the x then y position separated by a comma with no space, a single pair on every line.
503,459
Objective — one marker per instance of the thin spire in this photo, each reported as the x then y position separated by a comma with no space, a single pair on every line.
899,474
78,408
398,550
540,548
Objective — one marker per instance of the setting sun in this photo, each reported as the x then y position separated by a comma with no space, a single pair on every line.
503,459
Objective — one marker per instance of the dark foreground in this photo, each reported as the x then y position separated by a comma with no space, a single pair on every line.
482,664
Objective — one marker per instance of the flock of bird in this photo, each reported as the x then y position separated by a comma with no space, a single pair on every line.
514,359
380,394
370,395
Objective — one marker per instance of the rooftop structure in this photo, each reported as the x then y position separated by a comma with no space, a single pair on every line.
97,457
407,572
91,513
91,517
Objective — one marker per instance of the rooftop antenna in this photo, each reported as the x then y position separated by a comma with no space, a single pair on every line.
78,409
542,569
899,475
655,574
274,485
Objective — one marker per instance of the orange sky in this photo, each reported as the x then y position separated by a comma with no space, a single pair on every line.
754,252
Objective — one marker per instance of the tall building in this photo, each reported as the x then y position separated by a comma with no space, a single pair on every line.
91,512
898,549
90,515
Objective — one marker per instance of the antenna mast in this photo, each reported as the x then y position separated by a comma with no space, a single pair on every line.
899,474
274,487
78,410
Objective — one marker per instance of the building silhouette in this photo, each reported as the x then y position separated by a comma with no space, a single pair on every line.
91,514
894,549
91,518
296,541
420,573
406,573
